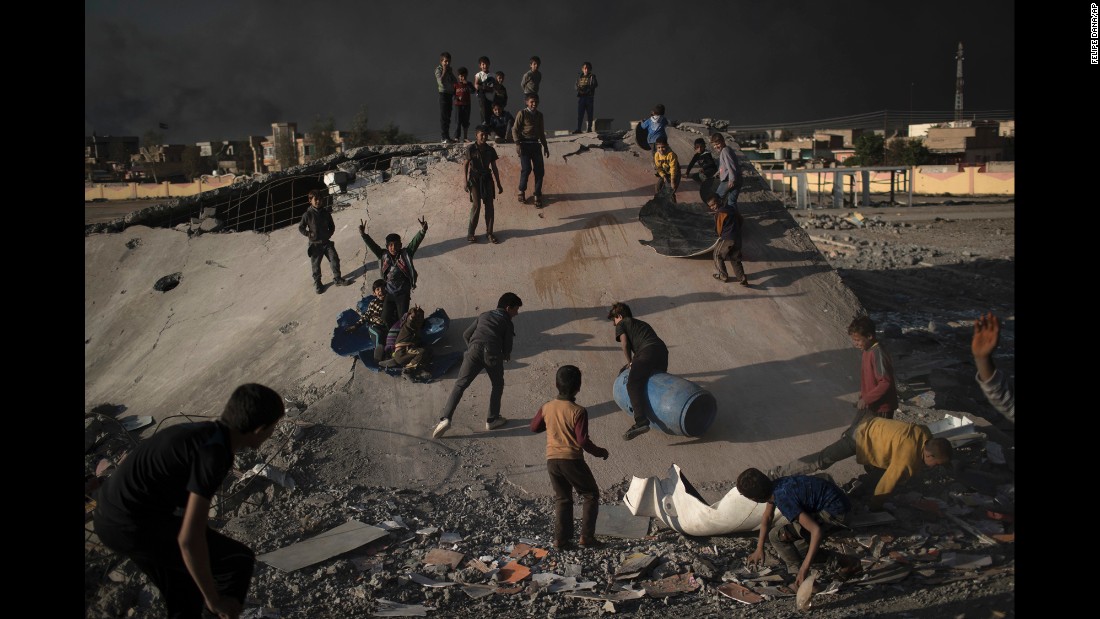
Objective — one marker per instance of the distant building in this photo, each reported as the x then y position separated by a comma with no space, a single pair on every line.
233,156
969,141
302,145
101,149
848,136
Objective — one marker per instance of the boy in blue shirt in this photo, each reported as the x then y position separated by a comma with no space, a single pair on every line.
655,125
814,506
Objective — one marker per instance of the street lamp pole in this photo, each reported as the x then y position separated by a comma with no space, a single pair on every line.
910,108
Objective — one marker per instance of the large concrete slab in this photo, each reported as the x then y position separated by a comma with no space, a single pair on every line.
776,355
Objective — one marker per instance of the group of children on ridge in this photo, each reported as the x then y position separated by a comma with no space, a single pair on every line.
154,509
456,93
722,202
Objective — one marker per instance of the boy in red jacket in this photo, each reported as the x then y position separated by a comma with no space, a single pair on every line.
878,392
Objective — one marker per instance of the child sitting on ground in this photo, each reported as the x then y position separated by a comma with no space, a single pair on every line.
566,426
372,317
409,350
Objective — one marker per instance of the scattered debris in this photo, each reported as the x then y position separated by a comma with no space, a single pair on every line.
804,598
635,565
671,585
513,572
421,579
442,556
389,608
134,422
740,593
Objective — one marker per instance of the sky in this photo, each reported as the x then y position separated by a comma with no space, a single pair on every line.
228,69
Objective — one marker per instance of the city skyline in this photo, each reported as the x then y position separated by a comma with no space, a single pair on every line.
228,70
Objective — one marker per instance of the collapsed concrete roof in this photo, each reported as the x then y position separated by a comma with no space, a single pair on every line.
776,355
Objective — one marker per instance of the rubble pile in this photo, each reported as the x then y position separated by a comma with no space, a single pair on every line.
483,549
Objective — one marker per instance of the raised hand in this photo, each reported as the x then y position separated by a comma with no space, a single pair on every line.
423,223
987,331
362,227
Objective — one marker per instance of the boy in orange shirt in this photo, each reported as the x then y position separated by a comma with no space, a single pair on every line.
566,426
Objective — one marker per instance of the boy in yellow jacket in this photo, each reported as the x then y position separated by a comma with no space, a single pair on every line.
666,166
902,449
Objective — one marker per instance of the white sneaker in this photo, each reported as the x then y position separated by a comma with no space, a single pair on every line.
496,423
441,428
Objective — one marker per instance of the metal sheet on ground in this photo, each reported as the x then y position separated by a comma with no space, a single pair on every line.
680,229
344,538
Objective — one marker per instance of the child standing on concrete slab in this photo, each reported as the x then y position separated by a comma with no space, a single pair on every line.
878,391
566,426
462,105
484,83
655,125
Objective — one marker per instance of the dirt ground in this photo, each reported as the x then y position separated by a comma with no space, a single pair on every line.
922,272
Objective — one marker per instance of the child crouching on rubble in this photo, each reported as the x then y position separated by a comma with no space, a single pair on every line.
566,426
814,506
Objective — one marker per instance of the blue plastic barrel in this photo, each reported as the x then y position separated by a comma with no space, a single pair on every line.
679,406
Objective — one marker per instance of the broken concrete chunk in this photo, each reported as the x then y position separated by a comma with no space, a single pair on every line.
959,561
672,585
635,565
740,593
514,572
389,608
442,556
420,579
478,591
